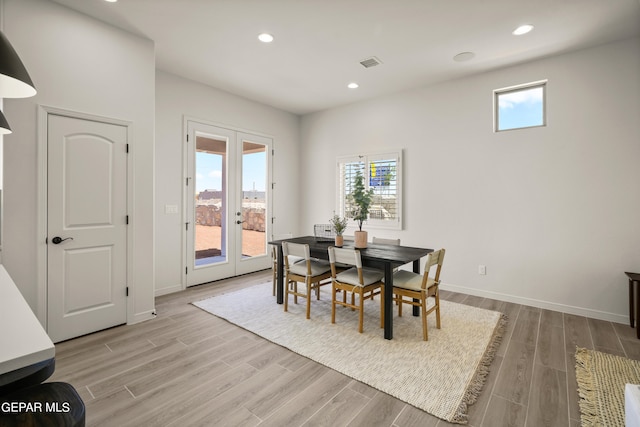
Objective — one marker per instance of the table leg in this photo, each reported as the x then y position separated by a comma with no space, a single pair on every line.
280,279
388,301
416,269
636,291
631,308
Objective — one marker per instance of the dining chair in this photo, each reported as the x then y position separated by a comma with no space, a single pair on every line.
418,288
356,280
274,258
383,241
309,271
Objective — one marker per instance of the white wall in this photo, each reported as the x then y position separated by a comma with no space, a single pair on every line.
177,97
552,212
79,64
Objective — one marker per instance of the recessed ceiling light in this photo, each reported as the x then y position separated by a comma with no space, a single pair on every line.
111,1
522,29
464,56
353,85
265,38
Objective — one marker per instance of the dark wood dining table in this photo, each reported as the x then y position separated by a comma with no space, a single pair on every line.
380,256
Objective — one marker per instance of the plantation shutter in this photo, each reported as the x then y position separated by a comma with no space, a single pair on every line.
383,179
347,170
382,173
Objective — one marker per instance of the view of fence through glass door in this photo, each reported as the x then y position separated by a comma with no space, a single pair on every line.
228,202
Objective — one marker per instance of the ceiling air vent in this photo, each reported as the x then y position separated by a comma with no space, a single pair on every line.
370,62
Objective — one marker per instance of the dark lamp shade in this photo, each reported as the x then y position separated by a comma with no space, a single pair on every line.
14,79
4,125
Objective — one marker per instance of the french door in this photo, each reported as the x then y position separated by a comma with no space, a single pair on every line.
228,203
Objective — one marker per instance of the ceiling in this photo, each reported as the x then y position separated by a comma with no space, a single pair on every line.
319,44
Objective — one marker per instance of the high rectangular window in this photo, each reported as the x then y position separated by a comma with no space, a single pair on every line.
520,106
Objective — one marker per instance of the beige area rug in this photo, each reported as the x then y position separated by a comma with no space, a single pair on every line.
601,380
441,376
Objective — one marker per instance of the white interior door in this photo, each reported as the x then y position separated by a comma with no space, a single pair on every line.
86,226
227,204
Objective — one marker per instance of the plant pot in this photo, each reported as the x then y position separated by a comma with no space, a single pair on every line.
361,238
339,241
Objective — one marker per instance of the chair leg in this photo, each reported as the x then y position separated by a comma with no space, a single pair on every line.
274,283
425,335
308,299
361,314
286,297
437,309
399,305
333,302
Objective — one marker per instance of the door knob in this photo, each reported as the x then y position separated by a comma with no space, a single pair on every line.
57,240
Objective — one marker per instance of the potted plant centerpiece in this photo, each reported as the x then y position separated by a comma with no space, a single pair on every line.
339,225
362,202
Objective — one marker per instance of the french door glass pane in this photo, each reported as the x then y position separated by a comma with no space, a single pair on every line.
254,193
211,200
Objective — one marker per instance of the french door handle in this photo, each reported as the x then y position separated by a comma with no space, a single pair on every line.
240,222
57,240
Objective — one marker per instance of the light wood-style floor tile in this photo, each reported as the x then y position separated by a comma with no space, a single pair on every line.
548,404
187,367
514,380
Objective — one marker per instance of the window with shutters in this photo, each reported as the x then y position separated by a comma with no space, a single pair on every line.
383,174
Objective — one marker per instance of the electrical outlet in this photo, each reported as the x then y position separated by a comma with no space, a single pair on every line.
171,209
482,269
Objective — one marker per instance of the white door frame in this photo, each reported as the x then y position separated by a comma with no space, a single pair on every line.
185,131
42,204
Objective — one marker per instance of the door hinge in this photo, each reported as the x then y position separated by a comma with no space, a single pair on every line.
273,218
127,288
186,270
273,185
127,148
186,225
187,137
127,220
273,151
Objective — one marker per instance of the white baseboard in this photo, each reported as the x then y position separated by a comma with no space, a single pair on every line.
168,290
569,309
141,317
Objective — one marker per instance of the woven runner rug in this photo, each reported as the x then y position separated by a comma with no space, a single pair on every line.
440,376
601,381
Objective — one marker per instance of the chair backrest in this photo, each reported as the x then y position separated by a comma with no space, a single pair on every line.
434,258
296,249
383,241
344,256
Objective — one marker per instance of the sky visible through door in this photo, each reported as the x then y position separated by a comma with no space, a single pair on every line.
209,176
